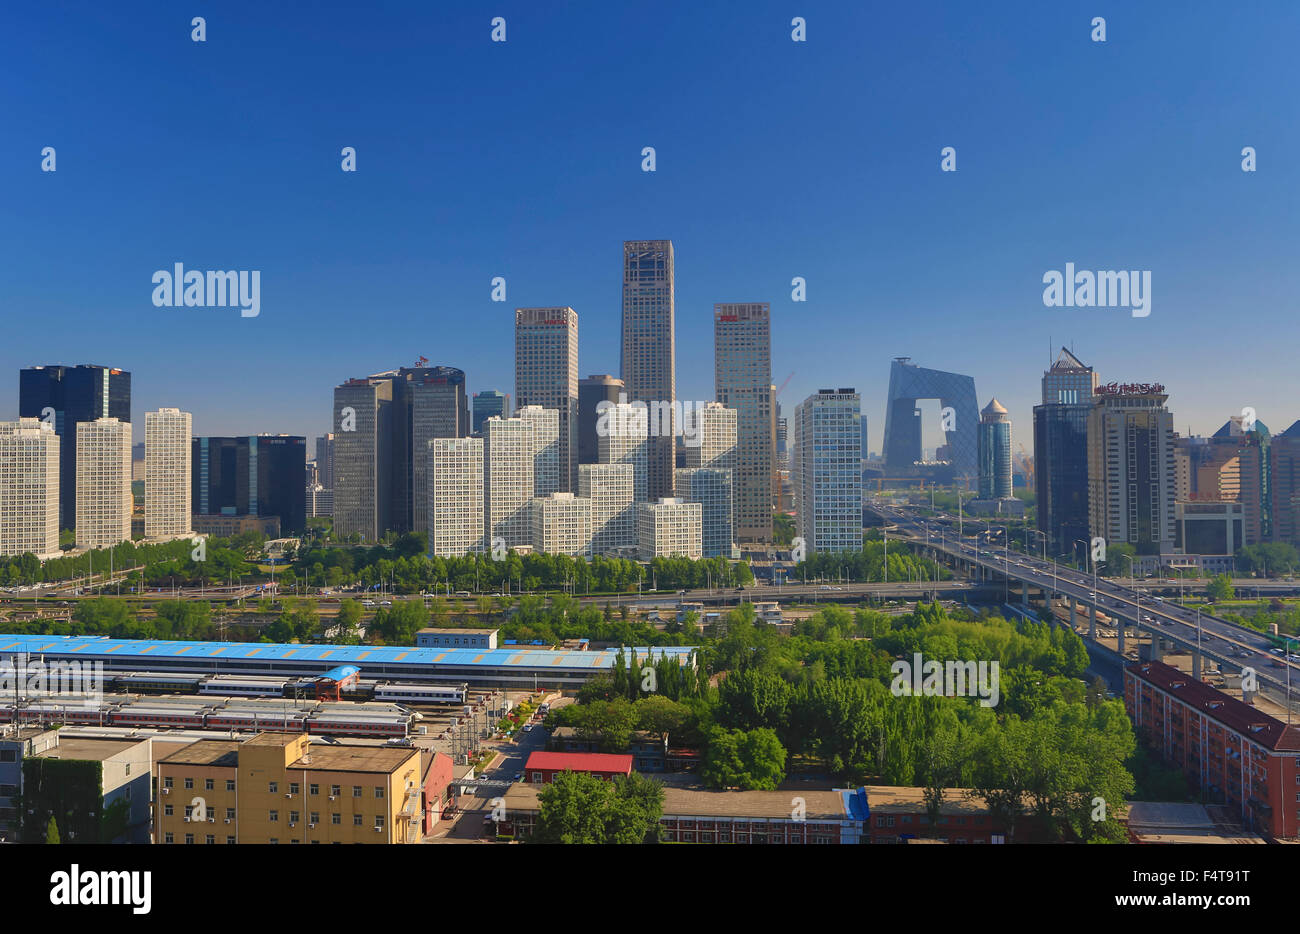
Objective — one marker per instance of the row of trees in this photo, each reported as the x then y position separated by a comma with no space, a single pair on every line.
405,567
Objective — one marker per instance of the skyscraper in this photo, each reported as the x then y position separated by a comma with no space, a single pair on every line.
325,461
546,374
456,496
561,524
508,457
717,433
1284,456
625,439
103,483
828,470
592,391
490,402
610,488
995,452
252,475
711,487
1061,451
548,470
363,443
167,436
649,357
959,418
29,488
428,403
742,366
72,394
1131,468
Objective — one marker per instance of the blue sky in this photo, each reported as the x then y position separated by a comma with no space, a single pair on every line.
775,159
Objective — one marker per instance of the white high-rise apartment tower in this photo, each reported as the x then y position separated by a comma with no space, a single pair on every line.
622,437
167,435
456,495
508,458
546,374
610,488
103,483
716,426
562,525
828,470
548,468
29,488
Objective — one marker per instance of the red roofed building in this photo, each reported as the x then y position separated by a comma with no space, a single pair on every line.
1234,753
542,767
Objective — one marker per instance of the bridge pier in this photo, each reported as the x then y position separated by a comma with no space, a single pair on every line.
1196,665
1024,593
1092,623
1119,630
1074,615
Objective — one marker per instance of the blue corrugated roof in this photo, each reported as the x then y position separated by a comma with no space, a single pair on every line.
144,649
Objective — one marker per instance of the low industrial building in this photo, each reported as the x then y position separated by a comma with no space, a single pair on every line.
433,638
515,668
542,766
282,788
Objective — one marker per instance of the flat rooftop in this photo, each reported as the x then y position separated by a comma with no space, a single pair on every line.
358,758
141,651
93,750
206,752
703,802
452,631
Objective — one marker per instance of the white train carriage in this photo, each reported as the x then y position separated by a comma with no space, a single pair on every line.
422,693
168,717
244,719
244,686
344,725
49,712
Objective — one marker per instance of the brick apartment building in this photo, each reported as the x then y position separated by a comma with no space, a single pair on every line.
1233,753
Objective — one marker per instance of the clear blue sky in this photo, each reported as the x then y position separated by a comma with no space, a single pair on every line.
775,159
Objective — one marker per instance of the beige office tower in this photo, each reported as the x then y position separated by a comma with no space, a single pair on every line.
562,525
649,358
548,469
167,438
29,488
455,519
623,437
1131,476
546,374
742,346
710,438
610,488
103,483
508,457
669,528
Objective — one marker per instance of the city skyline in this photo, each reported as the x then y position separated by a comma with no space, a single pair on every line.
414,238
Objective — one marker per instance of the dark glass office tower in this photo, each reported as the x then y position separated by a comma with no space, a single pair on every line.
428,403
75,394
259,475
488,403
592,391
1061,451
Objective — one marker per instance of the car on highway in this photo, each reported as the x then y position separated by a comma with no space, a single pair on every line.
1244,654
367,602
386,603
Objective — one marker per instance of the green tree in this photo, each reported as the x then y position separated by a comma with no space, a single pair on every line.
745,760
1219,588
579,808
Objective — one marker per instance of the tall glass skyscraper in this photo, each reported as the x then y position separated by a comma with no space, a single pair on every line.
742,366
258,475
73,394
487,403
649,357
909,383
995,452
546,374
1061,451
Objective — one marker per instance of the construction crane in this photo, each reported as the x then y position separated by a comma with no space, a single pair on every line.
783,385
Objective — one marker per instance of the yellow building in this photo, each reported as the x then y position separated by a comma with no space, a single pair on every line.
278,788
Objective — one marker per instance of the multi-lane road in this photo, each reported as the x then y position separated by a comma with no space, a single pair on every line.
1233,647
